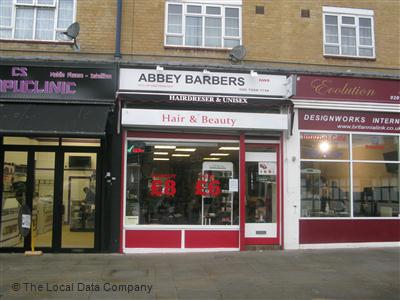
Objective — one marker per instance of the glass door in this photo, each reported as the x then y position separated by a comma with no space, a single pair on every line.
261,194
79,200
43,199
14,196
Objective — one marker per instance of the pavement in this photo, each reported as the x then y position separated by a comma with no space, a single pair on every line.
364,273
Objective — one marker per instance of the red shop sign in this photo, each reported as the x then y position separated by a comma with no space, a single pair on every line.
349,121
348,89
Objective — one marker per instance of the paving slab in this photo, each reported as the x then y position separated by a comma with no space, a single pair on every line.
372,273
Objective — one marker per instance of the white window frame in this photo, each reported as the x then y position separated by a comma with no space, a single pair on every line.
351,163
35,6
356,14
222,4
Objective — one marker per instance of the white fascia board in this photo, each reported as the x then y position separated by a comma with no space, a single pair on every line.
203,119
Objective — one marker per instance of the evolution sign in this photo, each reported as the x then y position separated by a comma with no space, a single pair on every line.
200,82
61,83
348,89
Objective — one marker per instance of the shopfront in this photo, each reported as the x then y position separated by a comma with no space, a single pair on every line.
53,131
348,135
202,157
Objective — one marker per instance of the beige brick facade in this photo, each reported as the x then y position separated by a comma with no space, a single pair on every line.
280,36
97,21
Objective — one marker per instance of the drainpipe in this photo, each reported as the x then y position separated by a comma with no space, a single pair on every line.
117,53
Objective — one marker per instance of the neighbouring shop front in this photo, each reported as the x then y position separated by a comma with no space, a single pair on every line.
54,122
202,157
348,134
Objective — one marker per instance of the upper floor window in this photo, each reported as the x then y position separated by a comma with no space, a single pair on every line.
41,20
349,32
194,24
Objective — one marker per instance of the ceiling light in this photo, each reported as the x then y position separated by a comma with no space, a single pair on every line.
324,146
181,155
160,158
219,154
160,153
185,149
211,158
164,147
229,148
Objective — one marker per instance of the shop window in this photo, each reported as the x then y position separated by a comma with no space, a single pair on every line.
325,189
376,189
13,197
376,183
41,20
80,142
204,26
348,32
31,141
326,184
375,147
189,183
324,146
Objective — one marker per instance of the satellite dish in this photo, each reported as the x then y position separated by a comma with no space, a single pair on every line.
237,53
72,30
71,34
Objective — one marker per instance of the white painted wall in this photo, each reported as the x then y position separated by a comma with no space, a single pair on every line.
291,201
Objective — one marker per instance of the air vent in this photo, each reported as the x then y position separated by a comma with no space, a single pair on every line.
259,10
305,13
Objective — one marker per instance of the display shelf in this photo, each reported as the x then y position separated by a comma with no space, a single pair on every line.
132,196
218,209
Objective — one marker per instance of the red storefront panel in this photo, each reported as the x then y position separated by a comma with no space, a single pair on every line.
153,239
211,239
349,231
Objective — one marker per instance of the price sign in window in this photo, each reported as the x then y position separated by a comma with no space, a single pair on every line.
158,188
211,188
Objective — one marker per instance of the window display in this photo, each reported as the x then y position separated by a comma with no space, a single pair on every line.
185,183
326,180
325,189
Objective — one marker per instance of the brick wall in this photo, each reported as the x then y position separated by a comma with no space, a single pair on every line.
96,38
280,35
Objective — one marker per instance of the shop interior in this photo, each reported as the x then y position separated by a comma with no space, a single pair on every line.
78,194
328,190
191,183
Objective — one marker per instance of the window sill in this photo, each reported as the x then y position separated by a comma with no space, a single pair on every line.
37,42
350,57
197,48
